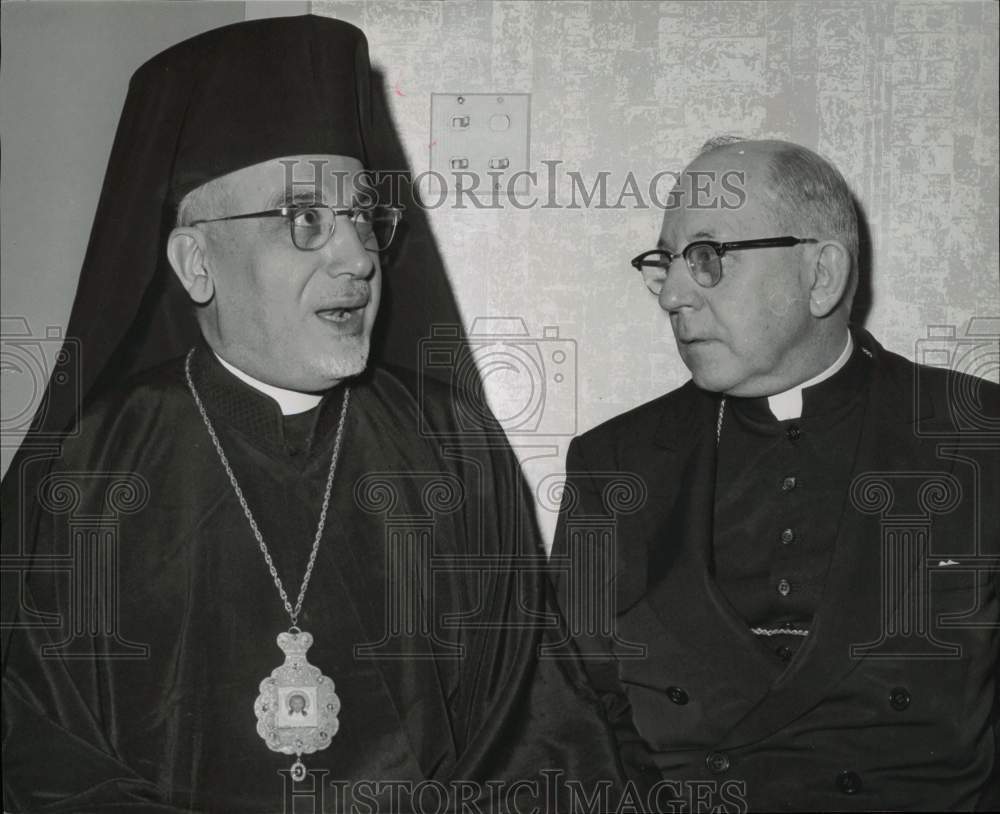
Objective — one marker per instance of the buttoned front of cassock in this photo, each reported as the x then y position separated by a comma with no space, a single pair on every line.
772,544
823,733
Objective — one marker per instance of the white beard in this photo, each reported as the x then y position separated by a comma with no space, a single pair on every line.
350,359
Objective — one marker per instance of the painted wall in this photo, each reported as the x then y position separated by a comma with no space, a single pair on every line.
65,70
901,96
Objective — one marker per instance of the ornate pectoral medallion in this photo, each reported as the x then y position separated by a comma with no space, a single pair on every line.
297,706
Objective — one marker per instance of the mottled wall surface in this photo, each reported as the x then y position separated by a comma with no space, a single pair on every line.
901,96
65,70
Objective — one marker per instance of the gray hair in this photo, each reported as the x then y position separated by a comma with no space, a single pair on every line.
807,193
204,201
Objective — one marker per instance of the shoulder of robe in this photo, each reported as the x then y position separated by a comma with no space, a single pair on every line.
944,400
123,417
949,388
641,423
416,385
443,409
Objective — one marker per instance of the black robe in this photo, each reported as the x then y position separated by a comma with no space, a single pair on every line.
892,702
425,603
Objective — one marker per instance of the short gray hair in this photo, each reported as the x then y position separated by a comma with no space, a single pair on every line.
204,201
808,193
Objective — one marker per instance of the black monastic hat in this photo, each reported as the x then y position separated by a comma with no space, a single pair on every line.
218,102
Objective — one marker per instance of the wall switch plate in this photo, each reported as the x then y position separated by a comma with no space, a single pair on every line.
480,141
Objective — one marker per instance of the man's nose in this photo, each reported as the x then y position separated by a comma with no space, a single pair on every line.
347,254
679,289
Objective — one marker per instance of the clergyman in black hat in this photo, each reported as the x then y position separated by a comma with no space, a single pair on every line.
266,512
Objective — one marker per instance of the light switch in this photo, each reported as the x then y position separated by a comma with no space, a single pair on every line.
489,132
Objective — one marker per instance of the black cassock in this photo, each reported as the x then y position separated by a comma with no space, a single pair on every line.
152,616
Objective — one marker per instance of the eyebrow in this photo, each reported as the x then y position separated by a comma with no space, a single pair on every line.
294,198
305,198
699,235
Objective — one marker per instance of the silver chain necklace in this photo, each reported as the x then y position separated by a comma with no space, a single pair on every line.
297,707
718,421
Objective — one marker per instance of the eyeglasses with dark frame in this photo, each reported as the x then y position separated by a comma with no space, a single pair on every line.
703,259
312,225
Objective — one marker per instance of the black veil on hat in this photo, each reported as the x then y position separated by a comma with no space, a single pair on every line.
213,104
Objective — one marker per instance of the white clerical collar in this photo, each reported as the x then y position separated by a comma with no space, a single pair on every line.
291,402
788,405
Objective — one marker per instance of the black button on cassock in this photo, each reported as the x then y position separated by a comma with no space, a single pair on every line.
784,652
717,762
849,782
677,695
899,698
787,484
787,536
794,433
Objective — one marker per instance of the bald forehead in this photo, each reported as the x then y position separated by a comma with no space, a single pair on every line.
723,195
747,164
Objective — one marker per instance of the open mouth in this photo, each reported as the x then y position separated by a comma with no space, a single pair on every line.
340,314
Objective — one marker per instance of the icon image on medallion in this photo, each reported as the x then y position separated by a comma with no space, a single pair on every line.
296,706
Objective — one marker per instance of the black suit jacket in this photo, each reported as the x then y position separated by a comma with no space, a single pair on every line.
891,702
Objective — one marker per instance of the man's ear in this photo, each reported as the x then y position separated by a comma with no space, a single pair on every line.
186,253
831,278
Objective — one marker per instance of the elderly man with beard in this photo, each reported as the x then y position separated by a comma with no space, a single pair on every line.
256,520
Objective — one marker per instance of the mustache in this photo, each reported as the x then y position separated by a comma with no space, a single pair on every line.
354,290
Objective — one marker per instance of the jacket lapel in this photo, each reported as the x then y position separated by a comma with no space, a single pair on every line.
654,458
680,589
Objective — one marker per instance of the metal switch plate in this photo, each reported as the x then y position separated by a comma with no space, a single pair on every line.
489,132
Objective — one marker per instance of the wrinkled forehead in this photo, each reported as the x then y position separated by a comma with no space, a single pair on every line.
330,179
722,196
